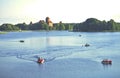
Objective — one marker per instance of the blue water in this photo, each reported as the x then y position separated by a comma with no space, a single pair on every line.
65,53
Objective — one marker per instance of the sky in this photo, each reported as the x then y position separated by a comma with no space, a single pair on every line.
67,11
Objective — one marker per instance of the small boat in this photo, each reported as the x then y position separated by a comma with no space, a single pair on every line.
21,41
40,60
106,61
86,45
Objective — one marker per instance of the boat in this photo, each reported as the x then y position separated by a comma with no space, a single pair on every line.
86,45
106,61
21,41
40,60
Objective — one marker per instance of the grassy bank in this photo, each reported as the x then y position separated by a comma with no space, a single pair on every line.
1,32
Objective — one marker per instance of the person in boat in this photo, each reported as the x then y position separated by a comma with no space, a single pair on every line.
106,61
40,60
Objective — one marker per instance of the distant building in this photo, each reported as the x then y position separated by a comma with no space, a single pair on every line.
49,22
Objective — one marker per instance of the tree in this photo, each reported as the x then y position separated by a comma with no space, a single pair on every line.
61,26
45,25
93,24
111,24
22,26
8,27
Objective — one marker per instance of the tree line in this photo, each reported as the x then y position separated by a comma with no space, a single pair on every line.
36,26
95,25
90,25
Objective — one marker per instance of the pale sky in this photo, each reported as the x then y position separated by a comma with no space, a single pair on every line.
71,11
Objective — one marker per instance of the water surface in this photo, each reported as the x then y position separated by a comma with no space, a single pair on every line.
64,52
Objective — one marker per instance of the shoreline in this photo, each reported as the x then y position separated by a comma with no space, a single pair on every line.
3,32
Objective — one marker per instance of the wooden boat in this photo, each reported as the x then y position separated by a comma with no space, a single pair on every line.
106,61
40,60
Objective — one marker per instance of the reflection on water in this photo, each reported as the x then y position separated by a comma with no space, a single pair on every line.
106,66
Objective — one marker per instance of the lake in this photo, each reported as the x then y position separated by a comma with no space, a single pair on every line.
65,54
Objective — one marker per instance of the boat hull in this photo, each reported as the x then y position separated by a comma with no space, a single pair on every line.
41,61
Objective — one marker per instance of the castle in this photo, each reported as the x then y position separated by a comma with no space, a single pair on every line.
49,22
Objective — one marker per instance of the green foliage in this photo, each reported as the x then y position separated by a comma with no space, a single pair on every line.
56,26
3,32
61,26
93,24
22,26
8,27
90,25
39,26
35,26
69,26
45,26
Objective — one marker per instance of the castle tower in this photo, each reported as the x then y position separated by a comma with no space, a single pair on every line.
49,22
